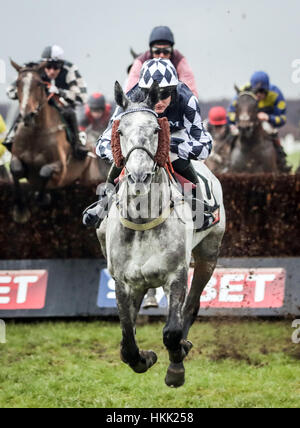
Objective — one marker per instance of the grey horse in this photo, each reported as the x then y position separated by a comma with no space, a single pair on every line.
146,251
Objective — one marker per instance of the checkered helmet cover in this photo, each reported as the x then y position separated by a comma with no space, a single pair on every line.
160,70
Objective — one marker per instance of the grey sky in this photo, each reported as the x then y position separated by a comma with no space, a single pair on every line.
224,41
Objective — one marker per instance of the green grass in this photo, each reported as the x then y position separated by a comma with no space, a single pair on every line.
76,364
293,159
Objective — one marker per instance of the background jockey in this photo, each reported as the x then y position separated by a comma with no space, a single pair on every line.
272,111
162,46
66,82
96,113
189,140
218,125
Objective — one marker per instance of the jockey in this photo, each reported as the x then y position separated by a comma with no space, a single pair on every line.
272,110
161,45
189,140
96,114
66,82
218,123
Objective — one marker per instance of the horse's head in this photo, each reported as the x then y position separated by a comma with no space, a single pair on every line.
140,141
31,91
246,113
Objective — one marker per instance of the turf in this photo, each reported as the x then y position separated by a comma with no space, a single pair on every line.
293,159
76,364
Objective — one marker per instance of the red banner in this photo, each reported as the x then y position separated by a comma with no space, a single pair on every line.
23,289
244,288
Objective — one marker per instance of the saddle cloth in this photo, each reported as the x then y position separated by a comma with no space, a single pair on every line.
203,201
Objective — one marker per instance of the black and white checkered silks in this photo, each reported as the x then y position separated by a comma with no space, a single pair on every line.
76,92
159,70
191,143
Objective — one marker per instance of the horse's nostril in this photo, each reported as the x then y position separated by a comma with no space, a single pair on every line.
147,179
139,178
130,179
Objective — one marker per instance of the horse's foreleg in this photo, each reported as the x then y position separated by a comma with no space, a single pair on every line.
21,213
128,306
202,274
46,173
205,255
173,331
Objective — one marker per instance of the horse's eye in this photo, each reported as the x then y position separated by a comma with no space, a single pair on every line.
120,132
157,131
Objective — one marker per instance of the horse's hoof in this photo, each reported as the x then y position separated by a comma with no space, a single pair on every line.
175,375
148,359
150,302
21,216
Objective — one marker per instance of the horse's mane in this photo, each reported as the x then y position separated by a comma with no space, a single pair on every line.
249,94
30,66
138,95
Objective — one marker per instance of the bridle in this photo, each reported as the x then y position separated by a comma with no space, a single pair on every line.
138,147
42,104
240,118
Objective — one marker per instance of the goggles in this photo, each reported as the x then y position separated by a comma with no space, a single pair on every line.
53,65
165,93
158,51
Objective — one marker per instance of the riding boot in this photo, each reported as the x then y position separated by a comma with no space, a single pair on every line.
281,157
9,139
79,151
186,169
93,215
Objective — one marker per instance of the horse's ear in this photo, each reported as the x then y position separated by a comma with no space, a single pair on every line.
153,96
41,66
237,89
120,97
133,54
16,66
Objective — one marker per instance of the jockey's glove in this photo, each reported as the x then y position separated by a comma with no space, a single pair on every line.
54,90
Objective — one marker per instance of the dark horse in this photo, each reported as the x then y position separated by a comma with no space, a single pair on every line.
41,152
254,150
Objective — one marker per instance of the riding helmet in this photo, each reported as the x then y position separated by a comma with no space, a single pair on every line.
160,70
53,53
97,102
260,80
217,116
161,34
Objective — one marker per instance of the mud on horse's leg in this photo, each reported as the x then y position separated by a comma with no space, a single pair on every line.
173,331
128,306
